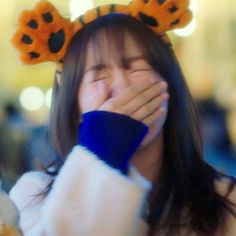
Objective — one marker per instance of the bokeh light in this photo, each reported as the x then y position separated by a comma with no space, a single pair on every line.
194,6
192,26
48,98
78,7
188,30
32,98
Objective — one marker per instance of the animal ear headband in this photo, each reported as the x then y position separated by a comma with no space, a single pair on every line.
43,34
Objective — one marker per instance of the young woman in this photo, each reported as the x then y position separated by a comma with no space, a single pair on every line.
126,133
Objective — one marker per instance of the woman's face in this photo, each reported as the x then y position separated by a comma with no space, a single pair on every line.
105,85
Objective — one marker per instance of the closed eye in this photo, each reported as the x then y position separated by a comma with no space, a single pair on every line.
139,70
101,74
100,78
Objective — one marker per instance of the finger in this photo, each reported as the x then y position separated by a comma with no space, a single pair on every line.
158,115
128,94
145,98
151,107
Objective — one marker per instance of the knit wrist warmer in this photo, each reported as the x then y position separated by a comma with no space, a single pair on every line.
113,137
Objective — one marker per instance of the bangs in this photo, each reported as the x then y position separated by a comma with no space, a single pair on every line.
107,38
108,35
108,45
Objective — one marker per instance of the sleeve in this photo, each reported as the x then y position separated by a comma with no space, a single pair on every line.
121,137
88,198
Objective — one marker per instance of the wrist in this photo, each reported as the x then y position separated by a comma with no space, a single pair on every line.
113,137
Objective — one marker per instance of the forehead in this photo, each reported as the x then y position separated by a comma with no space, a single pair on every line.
107,49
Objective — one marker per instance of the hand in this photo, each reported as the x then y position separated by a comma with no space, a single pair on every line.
144,101
112,137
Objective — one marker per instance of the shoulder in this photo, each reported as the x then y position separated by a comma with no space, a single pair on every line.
28,186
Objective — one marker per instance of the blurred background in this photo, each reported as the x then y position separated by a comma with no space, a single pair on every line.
206,50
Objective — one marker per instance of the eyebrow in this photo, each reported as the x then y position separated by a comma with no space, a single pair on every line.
128,61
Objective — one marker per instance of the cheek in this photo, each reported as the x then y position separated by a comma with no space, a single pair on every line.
85,97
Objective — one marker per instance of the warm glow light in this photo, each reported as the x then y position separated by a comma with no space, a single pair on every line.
188,30
32,98
225,94
194,6
191,27
78,7
48,98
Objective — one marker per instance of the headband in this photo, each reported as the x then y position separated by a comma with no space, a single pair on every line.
43,34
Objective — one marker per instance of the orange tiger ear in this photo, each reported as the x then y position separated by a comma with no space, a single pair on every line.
42,34
162,15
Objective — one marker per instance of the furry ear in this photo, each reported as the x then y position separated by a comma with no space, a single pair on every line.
42,34
162,15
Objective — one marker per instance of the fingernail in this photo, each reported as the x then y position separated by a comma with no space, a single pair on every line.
162,109
163,84
165,96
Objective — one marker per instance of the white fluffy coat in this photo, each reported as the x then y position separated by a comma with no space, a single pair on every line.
88,198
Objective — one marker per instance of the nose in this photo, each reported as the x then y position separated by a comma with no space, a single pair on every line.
120,81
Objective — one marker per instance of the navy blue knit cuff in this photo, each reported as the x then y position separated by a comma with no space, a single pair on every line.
113,137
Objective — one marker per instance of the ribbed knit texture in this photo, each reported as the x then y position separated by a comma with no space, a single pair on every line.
112,137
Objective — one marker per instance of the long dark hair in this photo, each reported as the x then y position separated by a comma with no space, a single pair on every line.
185,182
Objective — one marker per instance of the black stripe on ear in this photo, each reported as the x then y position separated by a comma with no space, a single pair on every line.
173,9
176,22
81,20
148,20
48,17
56,41
26,39
113,8
33,24
34,55
98,11
161,1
